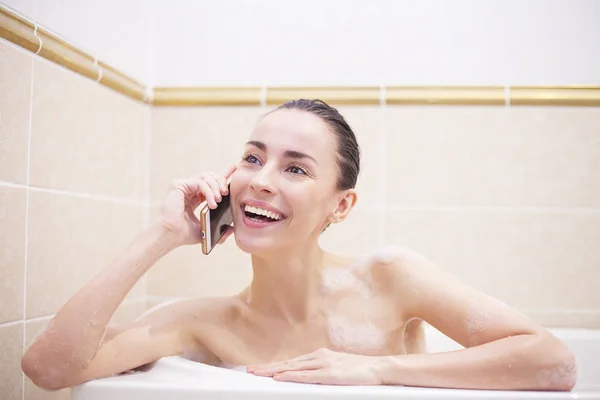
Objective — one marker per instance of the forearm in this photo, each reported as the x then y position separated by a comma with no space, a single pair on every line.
74,335
523,362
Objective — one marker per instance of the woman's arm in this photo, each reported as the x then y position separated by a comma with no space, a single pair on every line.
73,341
503,348
74,349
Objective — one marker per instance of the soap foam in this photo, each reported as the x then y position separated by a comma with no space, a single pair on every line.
339,279
479,320
355,337
564,374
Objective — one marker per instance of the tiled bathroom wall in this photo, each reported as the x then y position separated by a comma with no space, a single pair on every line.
508,199
73,169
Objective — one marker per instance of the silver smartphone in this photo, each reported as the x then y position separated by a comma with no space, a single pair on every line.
215,223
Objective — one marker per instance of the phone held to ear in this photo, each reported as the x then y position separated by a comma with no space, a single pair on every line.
215,223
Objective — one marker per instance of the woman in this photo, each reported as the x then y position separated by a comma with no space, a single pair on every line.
308,316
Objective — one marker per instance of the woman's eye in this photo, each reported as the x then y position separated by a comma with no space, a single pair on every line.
296,170
251,159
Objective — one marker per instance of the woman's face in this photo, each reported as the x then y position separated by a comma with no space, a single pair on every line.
284,189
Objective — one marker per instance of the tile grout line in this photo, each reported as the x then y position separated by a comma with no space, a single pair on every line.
11,323
147,177
381,223
112,199
27,193
43,317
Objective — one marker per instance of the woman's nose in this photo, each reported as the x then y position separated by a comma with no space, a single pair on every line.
262,182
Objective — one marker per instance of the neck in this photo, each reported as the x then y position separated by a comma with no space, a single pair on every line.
285,284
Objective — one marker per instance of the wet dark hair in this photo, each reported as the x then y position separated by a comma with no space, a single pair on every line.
348,152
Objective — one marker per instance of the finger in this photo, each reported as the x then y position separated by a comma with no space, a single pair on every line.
195,201
292,366
227,233
214,185
208,193
304,357
230,171
222,182
316,376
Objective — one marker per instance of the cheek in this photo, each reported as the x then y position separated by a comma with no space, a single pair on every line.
238,181
309,208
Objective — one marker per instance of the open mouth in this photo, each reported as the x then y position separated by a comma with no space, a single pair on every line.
261,215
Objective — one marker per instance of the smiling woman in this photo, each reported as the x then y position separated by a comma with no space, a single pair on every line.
308,315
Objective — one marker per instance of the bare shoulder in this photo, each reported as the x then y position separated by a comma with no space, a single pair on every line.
402,274
397,265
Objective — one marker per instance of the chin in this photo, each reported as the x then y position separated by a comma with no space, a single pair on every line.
254,245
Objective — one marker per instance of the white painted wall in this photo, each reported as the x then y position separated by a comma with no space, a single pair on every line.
126,45
335,42
373,42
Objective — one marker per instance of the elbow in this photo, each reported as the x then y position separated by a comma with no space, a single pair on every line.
43,376
558,368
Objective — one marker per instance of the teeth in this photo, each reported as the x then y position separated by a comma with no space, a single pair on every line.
260,211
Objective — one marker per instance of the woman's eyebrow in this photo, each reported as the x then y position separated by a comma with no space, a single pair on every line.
288,153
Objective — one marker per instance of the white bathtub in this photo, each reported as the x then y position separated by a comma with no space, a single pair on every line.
181,379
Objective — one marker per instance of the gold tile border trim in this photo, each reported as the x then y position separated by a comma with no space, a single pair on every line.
36,39
18,30
121,83
332,95
62,53
207,96
29,36
450,95
581,95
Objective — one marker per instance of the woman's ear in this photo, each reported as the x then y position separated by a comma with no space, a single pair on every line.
345,203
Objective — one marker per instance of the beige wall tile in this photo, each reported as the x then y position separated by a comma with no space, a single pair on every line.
15,101
476,156
12,252
34,328
70,240
534,261
32,392
189,140
85,137
366,124
187,272
145,154
11,351
587,319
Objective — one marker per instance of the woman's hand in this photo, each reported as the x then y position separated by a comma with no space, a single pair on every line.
184,196
324,367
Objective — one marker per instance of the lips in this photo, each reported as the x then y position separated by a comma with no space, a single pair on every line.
257,214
